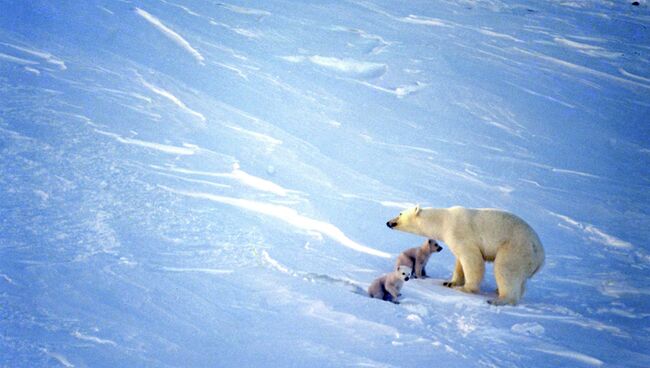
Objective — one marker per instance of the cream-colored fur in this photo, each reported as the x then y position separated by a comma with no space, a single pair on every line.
388,286
417,257
478,235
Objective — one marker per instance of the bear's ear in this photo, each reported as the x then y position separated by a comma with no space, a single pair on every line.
417,210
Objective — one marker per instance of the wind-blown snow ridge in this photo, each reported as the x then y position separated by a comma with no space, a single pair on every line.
595,51
169,33
16,60
168,95
210,271
189,150
94,339
49,58
582,69
243,177
287,215
246,11
583,358
399,92
593,233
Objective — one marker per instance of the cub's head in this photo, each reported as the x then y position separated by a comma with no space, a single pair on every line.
404,272
431,246
406,220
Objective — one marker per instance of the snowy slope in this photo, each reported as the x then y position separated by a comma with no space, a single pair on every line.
206,184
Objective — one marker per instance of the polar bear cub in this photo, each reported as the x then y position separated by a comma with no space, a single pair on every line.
417,257
475,236
388,286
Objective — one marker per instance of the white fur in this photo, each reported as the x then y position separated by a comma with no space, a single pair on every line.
478,235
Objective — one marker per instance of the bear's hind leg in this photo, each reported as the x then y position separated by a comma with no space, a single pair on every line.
510,277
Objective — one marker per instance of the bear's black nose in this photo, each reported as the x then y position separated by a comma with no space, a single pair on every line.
406,279
390,224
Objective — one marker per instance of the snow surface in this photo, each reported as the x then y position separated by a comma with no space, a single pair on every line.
206,184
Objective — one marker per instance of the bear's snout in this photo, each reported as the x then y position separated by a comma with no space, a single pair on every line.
391,224
406,279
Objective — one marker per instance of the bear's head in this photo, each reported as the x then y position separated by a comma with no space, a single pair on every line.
404,272
406,220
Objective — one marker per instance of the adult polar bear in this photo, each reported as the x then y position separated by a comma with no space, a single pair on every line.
478,235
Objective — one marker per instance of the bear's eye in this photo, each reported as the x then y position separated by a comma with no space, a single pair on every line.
403,274
400,214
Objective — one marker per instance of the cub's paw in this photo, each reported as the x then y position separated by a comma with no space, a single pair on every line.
450,284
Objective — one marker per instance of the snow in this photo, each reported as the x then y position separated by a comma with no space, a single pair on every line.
207,184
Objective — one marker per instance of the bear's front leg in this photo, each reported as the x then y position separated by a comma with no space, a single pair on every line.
473,268
393,292
458,277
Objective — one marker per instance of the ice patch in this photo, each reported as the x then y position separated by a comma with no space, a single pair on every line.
426,21
169,33
347,67
415,319
189,150
350,67
287,215
528,328
44,196
490,33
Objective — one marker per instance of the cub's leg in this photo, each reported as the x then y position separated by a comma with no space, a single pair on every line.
419,268
393,292
458,277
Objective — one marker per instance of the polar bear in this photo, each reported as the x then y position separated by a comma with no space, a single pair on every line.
417,257
388,286
478,235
